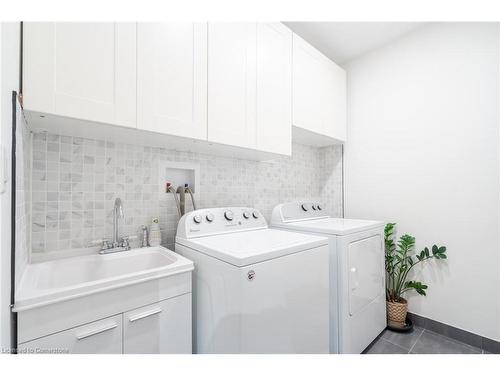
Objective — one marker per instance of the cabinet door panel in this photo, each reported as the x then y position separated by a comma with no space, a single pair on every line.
336,125
319,92
172,78
81,70
163,327
232,73
307,82
100,337
274,88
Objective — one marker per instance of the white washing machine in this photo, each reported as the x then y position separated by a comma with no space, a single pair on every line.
357,272
255,289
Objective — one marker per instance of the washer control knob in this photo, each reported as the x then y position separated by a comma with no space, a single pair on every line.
246,214
313,207
319,207
228,215
197,219
210,217
304,207
255,215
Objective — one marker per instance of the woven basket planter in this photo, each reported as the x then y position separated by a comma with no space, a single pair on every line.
396,313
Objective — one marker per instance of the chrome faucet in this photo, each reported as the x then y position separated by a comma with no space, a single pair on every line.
117,213
116,244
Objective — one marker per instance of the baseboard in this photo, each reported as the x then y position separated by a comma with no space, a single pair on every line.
458,334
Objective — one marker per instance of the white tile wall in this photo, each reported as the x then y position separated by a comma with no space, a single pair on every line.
76,180
331,179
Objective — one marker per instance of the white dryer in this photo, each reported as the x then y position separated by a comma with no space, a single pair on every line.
255,289
357,272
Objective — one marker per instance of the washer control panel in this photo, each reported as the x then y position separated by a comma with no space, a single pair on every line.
211,221
298,211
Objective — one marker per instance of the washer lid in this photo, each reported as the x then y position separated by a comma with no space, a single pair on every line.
331,225
249,247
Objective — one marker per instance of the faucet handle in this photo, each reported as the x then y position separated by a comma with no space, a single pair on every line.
103,243
125,244
106,244
126,241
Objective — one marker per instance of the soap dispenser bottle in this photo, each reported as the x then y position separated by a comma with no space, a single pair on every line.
154,233
145,236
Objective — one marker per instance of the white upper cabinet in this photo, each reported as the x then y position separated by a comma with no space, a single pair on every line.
335,102
81,70
274,88
249,85
319,96
172,78
236,87
232,83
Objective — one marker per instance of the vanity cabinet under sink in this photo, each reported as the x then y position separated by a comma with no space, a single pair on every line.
138,301
101,337
163,327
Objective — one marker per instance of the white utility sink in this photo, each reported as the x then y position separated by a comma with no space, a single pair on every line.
64,279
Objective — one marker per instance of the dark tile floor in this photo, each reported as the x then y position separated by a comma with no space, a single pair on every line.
419,341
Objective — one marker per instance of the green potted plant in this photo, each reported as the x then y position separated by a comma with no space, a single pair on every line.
399,261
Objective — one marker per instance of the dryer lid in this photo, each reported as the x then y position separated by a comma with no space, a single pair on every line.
253,246
311,217
331,225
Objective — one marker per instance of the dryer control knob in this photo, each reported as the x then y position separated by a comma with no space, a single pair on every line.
210,217
255,215
313,207
228,215
246,214
304,207
319,207
197,219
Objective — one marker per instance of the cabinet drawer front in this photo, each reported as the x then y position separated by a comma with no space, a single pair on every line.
163,327
100,337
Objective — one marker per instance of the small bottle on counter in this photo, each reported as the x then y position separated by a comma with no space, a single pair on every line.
145,236
155,233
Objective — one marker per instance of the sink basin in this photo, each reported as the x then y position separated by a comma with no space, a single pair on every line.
59,280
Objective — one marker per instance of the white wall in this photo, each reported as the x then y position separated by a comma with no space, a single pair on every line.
423,151
2,324
10,34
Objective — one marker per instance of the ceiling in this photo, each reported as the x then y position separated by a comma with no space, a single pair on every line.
344,41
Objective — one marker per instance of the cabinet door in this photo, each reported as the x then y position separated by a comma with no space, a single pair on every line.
274,88
100,337
333,101
232,70
172,78
163,327
81,70
319,92
307,86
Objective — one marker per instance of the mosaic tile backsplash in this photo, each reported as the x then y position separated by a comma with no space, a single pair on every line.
75,182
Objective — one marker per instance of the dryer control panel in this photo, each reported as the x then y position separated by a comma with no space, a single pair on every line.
295,211
210,221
